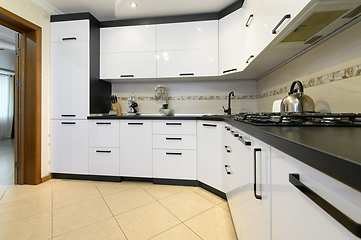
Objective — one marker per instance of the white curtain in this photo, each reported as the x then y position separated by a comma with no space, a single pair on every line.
6,105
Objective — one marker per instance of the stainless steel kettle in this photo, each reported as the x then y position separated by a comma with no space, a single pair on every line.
296,101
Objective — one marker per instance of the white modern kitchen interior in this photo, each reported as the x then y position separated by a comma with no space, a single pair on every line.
203,119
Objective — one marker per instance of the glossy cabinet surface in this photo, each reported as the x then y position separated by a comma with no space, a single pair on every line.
69,31
69,146
104,161
174,127
175,141
104,133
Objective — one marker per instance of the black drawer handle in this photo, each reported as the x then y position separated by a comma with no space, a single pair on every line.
245,142
228,128
230,70
173,153
135,123
104,123
173,124
173,138
68,38
252,56
339,216
259,197
103,151
68,115
234,134
287,16
228,149
228,172
248,23
127,75
68,122
209,125
186,74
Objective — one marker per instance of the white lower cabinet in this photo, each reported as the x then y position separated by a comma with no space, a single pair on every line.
104,161
69,146
136,148
297,217
104,133
174,164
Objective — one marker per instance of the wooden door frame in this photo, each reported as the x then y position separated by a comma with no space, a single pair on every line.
28,123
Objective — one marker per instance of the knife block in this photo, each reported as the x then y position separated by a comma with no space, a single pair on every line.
116,107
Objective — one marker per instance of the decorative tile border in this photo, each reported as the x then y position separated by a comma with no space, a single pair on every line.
328,78
197,98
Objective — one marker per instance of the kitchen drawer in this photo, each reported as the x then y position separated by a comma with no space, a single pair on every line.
175,141
174,164
104,133
70,31
174,127
104,161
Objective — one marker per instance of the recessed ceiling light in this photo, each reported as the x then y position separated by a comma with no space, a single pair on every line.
133,4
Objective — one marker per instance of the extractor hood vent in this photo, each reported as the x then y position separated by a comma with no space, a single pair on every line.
353,13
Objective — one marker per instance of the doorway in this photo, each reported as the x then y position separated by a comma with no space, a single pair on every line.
27,125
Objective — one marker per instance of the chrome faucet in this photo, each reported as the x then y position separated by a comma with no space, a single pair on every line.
228,111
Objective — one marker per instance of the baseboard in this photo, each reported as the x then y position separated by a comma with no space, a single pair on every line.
137,179
46,178
179,182
87,177
213,190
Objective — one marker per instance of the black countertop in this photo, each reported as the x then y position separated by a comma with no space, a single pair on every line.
335,151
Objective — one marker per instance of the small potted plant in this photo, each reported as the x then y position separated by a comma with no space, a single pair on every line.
160,91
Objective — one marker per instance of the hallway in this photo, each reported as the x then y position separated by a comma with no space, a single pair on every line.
6,164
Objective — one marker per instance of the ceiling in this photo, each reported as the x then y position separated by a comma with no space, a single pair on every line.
106,10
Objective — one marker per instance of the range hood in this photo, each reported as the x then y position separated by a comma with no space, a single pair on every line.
317,20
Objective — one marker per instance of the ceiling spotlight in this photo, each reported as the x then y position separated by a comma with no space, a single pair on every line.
133,5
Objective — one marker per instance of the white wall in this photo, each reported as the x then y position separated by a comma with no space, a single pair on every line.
7,60
33,13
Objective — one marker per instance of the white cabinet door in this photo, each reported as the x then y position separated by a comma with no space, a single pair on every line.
136,148
230,43
175,164
128,65
174,127
210,153
187,63
104,133
188,35
128,39
295,216
69,146
69,80
104,161
69,31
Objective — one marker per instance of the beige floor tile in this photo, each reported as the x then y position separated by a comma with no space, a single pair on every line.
214,224
127,200
36,227
161,191
63,184
79,215
107,229
15,210
210,196
179,232
75,195
146,222
107,188
224,205
186,204
17,192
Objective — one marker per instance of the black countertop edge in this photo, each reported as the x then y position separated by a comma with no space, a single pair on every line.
337,167
139,117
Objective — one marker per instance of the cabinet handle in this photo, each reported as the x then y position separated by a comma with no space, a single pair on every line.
228,149
227,166
228,128
351,225
248,23
259,197
173,138
104,123
173,153
127,75
274,31
173,124
230,70
209,125
68,115
252,56
68,38
68,122
186,74
103,151
135,123
234,134
247,143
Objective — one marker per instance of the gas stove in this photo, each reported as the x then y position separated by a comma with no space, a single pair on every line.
301,119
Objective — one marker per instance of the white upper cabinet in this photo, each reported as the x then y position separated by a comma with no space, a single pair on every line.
70,31
230,43
128,39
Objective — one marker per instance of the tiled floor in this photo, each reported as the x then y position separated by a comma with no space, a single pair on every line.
70,209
